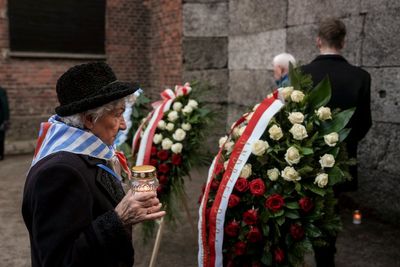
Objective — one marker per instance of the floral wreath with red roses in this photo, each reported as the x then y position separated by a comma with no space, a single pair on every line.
283,203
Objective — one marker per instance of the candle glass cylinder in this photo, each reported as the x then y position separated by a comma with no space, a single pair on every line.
357,217
144,179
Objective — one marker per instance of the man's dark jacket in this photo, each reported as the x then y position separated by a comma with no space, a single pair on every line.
351,87
68,208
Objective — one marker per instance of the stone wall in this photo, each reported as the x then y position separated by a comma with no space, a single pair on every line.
256,30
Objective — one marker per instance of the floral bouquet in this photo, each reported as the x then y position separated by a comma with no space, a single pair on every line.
169,138
269,196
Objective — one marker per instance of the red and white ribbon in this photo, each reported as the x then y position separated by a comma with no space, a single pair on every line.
210,251
160,107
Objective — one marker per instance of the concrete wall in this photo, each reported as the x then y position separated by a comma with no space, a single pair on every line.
236,40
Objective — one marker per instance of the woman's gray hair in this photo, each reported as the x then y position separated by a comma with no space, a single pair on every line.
283,60
76,120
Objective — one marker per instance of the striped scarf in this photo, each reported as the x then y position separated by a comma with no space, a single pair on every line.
56,136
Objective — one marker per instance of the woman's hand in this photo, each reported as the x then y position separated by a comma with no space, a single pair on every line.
138,207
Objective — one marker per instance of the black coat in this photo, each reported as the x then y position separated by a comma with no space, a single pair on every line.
351,87
68,208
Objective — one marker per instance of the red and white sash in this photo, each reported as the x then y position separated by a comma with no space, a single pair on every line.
210,243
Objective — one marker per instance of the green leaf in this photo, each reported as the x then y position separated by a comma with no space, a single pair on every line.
315,189
335,175
320,95
298,187
343,134
278,213
293,76
266,259
292,205
280,220
292,214
305,170
338,122
312,231
306,151
265,229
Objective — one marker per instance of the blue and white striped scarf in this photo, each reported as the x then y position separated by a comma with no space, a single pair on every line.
56,136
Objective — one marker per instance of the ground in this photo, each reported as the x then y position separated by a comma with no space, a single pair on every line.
371,244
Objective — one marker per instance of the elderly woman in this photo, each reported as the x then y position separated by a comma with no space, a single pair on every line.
74,205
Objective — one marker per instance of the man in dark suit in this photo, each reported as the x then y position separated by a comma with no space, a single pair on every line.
350,88
4,119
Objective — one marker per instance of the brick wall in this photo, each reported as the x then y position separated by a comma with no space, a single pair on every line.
143,44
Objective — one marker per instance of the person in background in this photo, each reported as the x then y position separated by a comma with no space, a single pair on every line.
74,206
350,88
281,68
4,120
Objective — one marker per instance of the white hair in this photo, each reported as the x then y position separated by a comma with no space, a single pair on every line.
76,120
283,60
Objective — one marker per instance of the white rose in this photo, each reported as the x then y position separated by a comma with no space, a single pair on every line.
292,156
176,148
249,115
298,131
193,103
173,116
166,143
327,160
324,113
275,132
161,125
259,147
297,96
241,130
290,174
235,132
226,164
321,180
296,117
286,92
229,146
246,171
179,134
177,106
222,141
273,174
255,107
170,127
157,138
187,109
186,126
331,139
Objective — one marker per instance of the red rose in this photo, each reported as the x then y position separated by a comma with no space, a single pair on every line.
153,162
274,202
296,231
153,151
232,229
214,185
306,204
233,201
279,255
163,154
242,185
240,248
163,179
254,235
219,168
250,217
255,264
163,168
257,187
176,159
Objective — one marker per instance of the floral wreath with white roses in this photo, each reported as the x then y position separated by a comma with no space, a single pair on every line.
282,203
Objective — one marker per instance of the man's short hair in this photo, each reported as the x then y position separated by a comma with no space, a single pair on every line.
332,31
283,60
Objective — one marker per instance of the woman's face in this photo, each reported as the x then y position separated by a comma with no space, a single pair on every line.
107,126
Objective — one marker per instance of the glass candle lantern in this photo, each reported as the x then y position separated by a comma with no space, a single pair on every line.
144,178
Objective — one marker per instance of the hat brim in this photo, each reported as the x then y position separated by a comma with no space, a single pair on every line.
107,94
